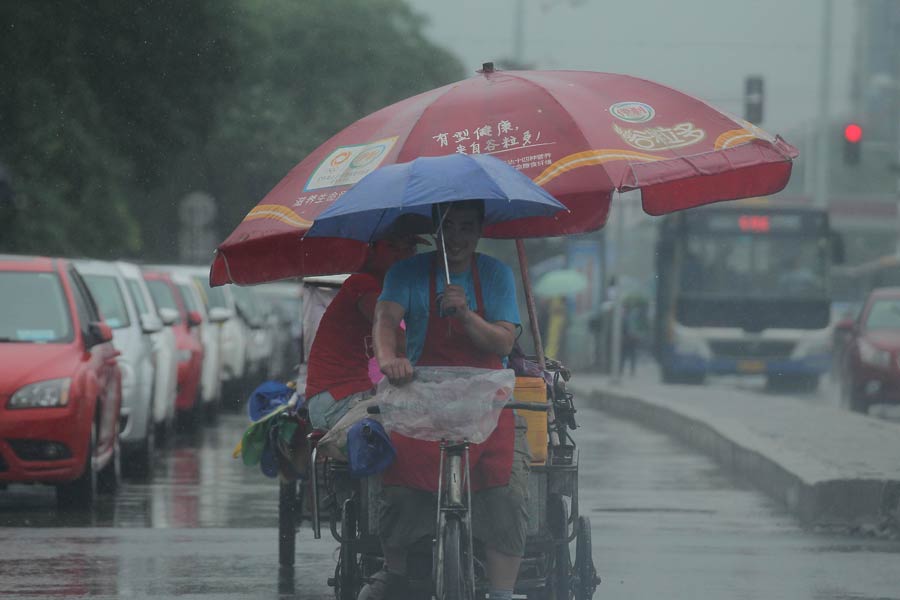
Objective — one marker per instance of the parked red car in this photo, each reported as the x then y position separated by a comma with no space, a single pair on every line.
187,340
871,371
60,386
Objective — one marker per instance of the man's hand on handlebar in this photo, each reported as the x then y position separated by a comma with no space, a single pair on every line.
398,370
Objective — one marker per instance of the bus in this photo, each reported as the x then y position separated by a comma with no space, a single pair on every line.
745,289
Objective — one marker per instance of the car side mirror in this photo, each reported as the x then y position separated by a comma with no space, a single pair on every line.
846,325
219,314
98,333
169,316
194,318
151,324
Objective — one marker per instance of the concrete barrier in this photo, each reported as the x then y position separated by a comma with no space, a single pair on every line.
818,494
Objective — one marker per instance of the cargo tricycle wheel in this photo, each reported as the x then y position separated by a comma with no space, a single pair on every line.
287,522
586,579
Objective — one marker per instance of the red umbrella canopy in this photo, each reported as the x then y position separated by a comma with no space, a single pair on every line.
581,135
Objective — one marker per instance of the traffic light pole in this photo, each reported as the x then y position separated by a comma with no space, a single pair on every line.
823,138
897,171
895,93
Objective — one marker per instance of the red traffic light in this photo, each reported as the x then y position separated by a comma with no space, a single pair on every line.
853,133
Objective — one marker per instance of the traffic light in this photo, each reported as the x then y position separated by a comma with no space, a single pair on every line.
853,135
753,99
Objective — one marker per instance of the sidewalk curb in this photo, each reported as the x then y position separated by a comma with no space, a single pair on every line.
832,502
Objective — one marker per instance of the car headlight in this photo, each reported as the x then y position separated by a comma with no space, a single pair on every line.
686,341
184,355
42,394
871,355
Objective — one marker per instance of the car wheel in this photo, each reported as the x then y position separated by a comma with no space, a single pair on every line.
851,398
109,476
140,464
81,492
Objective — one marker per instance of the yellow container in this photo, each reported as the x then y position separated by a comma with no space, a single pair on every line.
533,389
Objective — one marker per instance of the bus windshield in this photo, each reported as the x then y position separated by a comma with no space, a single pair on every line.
759,266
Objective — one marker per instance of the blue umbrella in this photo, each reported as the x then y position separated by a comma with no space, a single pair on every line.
367,211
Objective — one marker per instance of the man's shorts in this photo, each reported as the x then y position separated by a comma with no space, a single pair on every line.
325,411
499,514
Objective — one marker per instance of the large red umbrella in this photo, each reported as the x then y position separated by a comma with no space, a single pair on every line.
581,135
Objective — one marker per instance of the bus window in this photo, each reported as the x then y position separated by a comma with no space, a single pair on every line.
754,265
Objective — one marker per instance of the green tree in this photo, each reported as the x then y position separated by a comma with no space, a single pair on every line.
112,110
98,100
308,70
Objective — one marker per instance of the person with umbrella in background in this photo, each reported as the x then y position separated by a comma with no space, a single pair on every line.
338,375
469,322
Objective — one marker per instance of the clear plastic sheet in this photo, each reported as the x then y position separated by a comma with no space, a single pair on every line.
453,403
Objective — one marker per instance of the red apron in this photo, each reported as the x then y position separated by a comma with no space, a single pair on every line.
447,345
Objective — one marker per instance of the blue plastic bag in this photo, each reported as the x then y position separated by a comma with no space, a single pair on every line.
369,448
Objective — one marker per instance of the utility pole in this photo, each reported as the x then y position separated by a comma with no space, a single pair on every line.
618,207
896,49
897,168
519,32
810,160
824,134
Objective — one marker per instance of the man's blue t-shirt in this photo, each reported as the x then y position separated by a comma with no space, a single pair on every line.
407,284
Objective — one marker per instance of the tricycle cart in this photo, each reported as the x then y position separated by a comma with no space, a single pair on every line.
550,568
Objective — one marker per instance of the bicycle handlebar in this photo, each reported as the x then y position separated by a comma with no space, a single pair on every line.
533,406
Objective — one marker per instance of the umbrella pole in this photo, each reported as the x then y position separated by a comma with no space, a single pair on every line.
444,251
440,234
535,332
529,302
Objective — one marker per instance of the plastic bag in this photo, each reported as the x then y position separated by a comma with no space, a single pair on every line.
453,403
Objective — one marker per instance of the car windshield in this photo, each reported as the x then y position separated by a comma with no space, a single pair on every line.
110,301
44,317
134,288
884,315
215,297
188,295
247,304
163,296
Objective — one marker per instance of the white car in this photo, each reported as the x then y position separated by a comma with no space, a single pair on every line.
131,337
165,350
234,336
259,343
285,317
210,336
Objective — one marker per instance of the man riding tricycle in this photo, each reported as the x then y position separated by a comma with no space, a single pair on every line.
472,500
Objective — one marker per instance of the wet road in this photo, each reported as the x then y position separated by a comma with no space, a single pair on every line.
667,523
828,393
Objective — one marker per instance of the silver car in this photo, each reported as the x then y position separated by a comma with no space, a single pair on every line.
131,337
234,336
165,350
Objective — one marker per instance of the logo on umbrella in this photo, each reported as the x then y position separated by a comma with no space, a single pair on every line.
340,158
632,112
656,139
346,165
367,156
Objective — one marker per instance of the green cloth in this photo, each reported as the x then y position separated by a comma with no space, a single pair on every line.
256,435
